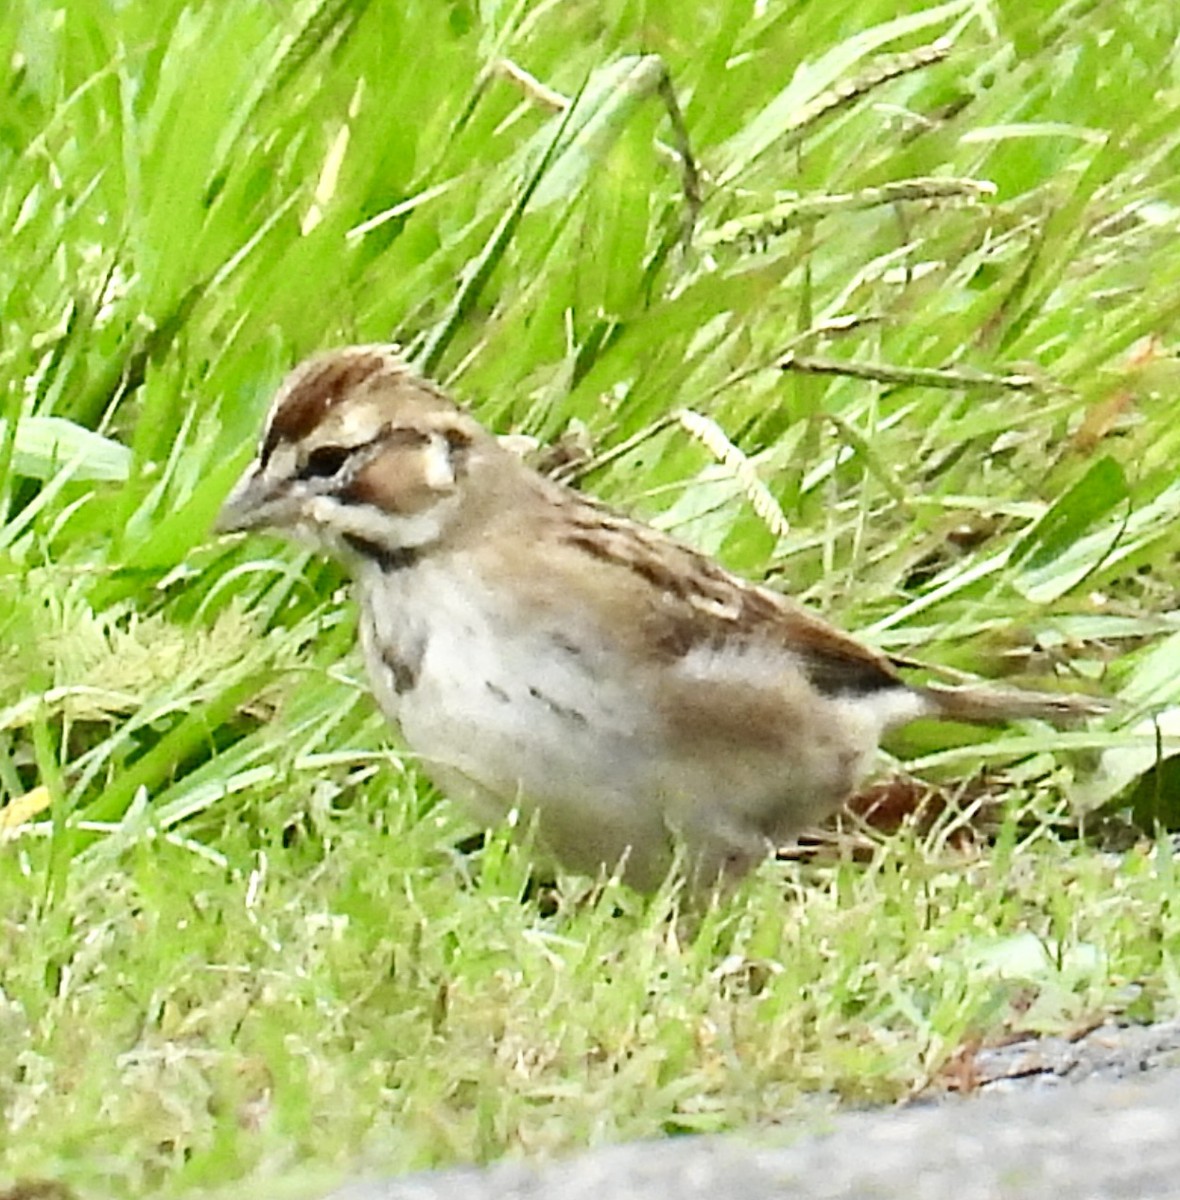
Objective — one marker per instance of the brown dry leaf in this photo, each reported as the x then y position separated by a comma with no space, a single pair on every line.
892,803
883,808
887,805
960,1073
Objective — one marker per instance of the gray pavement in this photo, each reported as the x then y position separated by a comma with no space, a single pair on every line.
1089,1119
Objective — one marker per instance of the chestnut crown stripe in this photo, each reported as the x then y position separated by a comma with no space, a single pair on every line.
311,395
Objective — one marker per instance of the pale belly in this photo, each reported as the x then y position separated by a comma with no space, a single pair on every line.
505,714
525,720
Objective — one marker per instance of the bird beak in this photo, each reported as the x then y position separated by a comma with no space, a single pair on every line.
252,503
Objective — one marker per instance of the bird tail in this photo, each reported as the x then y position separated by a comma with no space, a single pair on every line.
994,706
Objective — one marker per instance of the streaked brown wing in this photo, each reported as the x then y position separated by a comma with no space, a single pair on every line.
678,599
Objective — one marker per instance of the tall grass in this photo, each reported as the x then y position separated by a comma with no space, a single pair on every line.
903,344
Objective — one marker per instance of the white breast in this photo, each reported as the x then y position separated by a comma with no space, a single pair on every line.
503,713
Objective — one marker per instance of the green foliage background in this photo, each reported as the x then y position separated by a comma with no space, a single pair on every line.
237,941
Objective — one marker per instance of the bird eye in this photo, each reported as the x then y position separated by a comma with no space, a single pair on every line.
324,461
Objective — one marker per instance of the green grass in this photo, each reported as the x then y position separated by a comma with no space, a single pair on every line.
237,945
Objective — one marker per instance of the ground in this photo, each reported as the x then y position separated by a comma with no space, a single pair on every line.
903,345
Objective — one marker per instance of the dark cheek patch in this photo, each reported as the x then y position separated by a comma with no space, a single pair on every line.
393,482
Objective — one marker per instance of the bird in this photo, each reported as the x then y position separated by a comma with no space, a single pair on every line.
628,698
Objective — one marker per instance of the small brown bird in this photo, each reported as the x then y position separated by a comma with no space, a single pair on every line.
541,652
